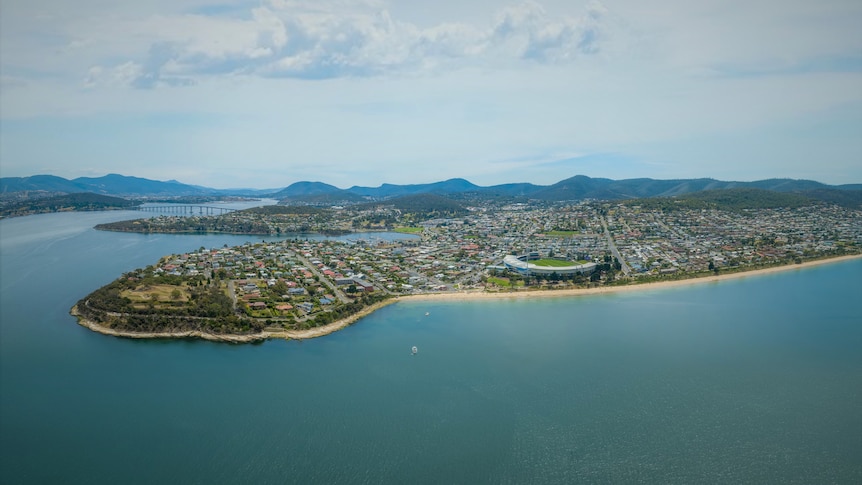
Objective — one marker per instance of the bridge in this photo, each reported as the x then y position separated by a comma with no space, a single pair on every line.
203,210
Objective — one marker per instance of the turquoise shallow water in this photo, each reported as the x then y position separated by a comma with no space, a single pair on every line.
753,380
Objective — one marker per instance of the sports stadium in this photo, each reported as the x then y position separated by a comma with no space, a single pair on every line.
522,265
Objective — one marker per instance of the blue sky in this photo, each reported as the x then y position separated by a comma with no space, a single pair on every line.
362,92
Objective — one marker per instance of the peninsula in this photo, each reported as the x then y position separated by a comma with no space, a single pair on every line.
300,288
307,333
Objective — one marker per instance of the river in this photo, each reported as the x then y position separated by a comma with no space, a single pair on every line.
752,380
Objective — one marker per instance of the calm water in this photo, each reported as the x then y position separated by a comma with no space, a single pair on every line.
751,381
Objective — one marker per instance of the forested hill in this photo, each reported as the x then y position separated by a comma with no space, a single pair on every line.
71,202
422,206
579,187
725,199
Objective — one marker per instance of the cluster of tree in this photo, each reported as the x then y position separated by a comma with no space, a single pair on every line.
220,224
420,207
204,301
366,221
156,323
344,311
208,308
279,209
71,202
851,199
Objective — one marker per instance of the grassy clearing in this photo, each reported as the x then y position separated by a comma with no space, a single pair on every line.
161,293
561,233
409,230
504,282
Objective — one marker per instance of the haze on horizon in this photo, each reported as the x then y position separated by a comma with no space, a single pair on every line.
265,93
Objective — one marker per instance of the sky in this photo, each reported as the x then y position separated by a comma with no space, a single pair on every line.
261,94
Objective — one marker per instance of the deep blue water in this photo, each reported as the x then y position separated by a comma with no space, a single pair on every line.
753,380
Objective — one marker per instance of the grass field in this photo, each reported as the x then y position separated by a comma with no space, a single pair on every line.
503,281
409,230
553,263
561,233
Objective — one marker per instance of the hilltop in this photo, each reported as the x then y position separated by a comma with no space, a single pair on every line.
574,188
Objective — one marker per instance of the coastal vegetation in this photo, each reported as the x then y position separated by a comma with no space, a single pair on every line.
148,301
143,301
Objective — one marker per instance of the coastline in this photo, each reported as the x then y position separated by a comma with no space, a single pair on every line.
231,338
603,290
235,338
449,296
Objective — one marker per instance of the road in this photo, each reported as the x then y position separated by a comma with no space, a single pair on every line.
626,270
232,291
323,279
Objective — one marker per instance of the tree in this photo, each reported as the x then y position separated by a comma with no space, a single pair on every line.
713,267
176,294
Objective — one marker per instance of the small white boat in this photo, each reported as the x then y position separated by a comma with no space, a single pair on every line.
427,313
414,350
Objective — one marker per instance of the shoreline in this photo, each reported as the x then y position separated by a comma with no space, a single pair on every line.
235,338
604,290
450,296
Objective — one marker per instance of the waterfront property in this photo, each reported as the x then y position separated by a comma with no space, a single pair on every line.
298,284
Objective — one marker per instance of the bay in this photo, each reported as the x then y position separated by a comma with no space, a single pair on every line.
752,380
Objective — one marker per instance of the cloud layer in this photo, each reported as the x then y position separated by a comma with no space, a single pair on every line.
371,91
304,40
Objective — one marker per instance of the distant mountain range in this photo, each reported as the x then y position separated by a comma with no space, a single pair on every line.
574,188
116,185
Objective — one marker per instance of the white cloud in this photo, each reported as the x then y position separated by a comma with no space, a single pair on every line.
122,75
325,40
404,89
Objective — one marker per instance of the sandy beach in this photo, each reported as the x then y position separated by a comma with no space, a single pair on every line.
484,295
454,296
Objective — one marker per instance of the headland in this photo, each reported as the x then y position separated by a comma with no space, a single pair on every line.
473,295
